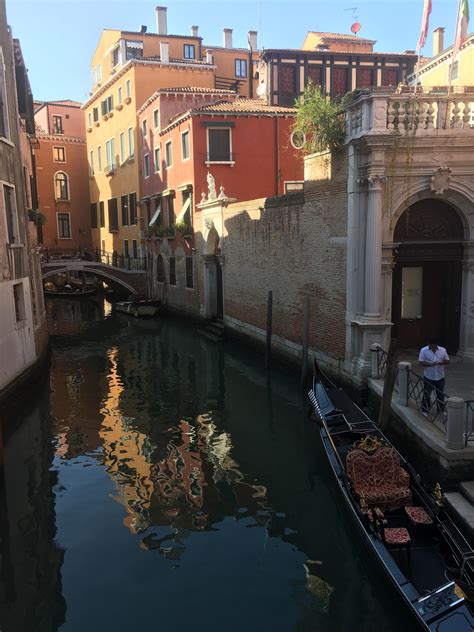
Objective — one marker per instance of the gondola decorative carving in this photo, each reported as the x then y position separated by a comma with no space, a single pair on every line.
438,495
369,444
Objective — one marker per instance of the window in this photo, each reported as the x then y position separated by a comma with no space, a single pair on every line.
99,159
61,186
126,252
218,145
128,88
133,50
146,166
10,212
110,163
134,249
19,300
95,114
160,269
169,154
144,128
189,51
453,70
119,95
64,225
93,208
157,218
113,214
99,72
170,210
107,105
172,270
133,208
59,154
94,76
241,68
185,145
189,273
57,124
4,123
91,162
101,216
157,159
131,143
116,57
122,147
124,201
156,118
89,119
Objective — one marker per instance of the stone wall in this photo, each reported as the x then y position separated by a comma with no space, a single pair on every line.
295,246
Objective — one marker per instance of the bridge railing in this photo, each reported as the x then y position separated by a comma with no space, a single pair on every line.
113,259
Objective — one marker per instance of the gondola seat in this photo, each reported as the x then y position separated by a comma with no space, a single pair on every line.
418,516
379,477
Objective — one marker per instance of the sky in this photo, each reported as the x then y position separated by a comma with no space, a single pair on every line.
58,37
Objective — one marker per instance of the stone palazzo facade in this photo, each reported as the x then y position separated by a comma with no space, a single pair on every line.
410,220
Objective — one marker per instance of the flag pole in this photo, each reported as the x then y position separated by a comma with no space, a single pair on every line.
454,49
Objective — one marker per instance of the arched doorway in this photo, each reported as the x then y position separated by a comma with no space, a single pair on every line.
427,279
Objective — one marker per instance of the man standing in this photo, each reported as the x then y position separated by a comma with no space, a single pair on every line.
433,358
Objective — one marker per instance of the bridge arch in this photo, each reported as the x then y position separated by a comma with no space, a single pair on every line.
91,270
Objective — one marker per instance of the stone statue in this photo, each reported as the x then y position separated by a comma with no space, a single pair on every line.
203,198
211,184
222,195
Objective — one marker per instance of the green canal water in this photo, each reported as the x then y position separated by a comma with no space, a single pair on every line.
158,481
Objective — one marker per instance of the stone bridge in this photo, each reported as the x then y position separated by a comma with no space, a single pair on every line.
133,281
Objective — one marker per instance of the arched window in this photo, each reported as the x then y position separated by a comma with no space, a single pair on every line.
61,186
160,269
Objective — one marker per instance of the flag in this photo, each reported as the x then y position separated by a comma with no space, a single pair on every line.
461,27
425,21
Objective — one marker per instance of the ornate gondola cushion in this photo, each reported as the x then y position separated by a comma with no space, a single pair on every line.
418,516
396,536
379,477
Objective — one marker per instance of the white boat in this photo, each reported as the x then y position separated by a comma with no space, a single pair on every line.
138,308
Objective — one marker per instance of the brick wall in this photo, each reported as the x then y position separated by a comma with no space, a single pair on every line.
294,245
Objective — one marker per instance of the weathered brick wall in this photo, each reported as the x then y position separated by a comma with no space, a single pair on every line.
294,245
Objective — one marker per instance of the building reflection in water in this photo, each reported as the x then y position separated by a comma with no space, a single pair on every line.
30,559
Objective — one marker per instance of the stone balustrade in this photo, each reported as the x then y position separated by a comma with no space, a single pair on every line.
405,112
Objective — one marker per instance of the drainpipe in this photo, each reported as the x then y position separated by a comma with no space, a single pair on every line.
277,156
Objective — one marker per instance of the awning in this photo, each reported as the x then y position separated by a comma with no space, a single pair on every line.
183,211
155,216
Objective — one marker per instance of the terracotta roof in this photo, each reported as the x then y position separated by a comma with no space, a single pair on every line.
184,90
65,102
342,37
244,106
191,37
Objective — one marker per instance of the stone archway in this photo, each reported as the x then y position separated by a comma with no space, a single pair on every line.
428,274
213,282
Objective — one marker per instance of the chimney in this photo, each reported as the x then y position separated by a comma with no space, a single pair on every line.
438,41
252,39
227,38
161,21
209,59
195,31
143,29
164,52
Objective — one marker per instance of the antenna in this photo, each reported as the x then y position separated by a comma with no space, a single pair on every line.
356,26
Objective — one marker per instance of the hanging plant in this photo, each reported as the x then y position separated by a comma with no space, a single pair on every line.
38,218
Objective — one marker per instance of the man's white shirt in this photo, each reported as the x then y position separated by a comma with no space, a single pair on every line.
433,372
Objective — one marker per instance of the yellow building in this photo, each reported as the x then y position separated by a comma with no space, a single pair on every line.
435,71
127,68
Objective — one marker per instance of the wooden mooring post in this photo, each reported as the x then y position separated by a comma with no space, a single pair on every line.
389,383
304,353
268,345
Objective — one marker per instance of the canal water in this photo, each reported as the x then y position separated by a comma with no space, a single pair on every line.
159,481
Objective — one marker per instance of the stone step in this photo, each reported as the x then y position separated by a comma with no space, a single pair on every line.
215,327
463,508
210,335
467,489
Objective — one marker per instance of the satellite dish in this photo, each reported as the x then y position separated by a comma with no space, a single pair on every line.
355,28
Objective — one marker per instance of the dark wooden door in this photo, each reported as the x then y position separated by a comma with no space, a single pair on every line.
440,305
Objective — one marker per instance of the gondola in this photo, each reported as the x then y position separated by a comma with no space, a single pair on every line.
138,308
403,524
78,293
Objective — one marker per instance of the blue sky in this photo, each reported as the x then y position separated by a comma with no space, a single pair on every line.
58,38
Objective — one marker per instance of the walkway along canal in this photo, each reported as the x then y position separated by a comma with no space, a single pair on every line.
169,483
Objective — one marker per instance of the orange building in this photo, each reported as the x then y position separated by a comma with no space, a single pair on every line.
62,175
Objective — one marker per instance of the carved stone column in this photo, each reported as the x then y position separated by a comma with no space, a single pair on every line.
373,249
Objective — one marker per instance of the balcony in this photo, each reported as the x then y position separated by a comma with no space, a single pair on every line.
428,111
16,261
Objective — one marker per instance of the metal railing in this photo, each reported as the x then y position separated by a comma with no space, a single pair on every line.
469,420
433,408
124,261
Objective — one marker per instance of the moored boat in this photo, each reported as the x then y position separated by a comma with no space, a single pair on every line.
421,551
138,308
77,293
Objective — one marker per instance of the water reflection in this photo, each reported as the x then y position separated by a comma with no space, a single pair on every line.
182,474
